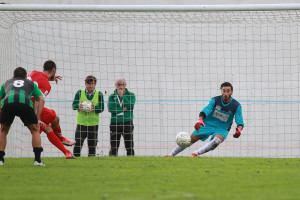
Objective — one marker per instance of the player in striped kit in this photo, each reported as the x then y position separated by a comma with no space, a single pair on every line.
15,100
215,120
49,116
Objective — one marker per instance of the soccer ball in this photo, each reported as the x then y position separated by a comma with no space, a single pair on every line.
183,139
86,106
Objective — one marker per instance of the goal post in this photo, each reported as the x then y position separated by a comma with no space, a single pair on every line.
174,58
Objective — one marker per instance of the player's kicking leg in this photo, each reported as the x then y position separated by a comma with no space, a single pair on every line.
57,130
48,117
53,138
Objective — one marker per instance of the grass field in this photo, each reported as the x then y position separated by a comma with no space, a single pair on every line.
151,178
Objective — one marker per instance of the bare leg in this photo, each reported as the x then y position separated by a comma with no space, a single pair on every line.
36,144
3,134
55,123
56,126
36,137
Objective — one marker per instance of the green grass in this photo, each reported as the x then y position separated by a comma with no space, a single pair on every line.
151,178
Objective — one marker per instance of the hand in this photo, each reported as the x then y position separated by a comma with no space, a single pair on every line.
41,124
238,132
80,106
93,106
56,78
199,123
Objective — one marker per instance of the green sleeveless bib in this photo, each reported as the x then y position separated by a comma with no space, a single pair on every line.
91,118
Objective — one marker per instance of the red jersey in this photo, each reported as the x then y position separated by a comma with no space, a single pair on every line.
42,81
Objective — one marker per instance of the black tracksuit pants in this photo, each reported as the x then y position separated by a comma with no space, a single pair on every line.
116,131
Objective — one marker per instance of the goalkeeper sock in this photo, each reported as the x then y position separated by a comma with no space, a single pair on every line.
2,154
209,146
57,131
178,149
56,142
37,153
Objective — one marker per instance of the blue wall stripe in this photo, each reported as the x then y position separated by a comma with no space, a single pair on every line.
162,100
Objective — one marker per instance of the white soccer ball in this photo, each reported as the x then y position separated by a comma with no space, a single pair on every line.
86,106
183,139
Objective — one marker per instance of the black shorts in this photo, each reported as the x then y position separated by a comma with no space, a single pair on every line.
24,111
126,127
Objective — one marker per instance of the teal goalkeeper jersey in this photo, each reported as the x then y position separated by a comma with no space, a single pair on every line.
220,115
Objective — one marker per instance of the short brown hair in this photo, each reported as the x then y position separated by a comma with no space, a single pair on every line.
90,79
226,84
20,72
49,65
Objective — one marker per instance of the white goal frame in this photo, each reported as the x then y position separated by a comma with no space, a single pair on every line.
259,145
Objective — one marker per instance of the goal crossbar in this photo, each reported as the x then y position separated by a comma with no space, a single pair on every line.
135,8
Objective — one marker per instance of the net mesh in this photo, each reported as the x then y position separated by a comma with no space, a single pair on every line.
174,62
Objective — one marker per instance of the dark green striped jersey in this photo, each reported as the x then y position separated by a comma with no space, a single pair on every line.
18,90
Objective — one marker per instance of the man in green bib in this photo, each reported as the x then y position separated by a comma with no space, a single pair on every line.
120,105
87,117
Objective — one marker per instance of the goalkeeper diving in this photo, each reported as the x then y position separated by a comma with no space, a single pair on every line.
215,120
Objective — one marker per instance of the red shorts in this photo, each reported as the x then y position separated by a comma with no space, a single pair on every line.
47,117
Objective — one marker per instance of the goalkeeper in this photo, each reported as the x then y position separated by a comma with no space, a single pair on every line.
215,120
87,122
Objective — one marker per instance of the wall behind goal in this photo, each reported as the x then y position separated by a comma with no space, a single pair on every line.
174,62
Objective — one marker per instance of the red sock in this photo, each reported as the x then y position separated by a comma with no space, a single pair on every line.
56,142
57,131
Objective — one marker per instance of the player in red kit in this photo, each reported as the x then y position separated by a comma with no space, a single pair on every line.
49,116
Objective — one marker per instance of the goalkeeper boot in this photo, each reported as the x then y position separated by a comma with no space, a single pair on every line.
69,155
1,162
36,163
193,155
167,156
66,142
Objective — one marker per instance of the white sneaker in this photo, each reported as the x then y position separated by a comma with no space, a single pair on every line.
1,163
39,164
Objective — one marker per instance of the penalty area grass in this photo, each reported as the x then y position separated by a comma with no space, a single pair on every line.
151,178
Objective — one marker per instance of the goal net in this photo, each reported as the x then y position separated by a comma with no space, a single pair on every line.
174,59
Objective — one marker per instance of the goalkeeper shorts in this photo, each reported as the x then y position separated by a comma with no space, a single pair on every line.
205,132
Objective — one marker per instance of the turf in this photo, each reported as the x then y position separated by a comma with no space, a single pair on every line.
151,178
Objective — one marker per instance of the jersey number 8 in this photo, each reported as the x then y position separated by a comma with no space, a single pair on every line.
18,83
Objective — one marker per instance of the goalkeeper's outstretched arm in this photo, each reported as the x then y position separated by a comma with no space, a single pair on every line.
239,122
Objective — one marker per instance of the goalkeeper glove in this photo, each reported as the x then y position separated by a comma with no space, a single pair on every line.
238,132
198,124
